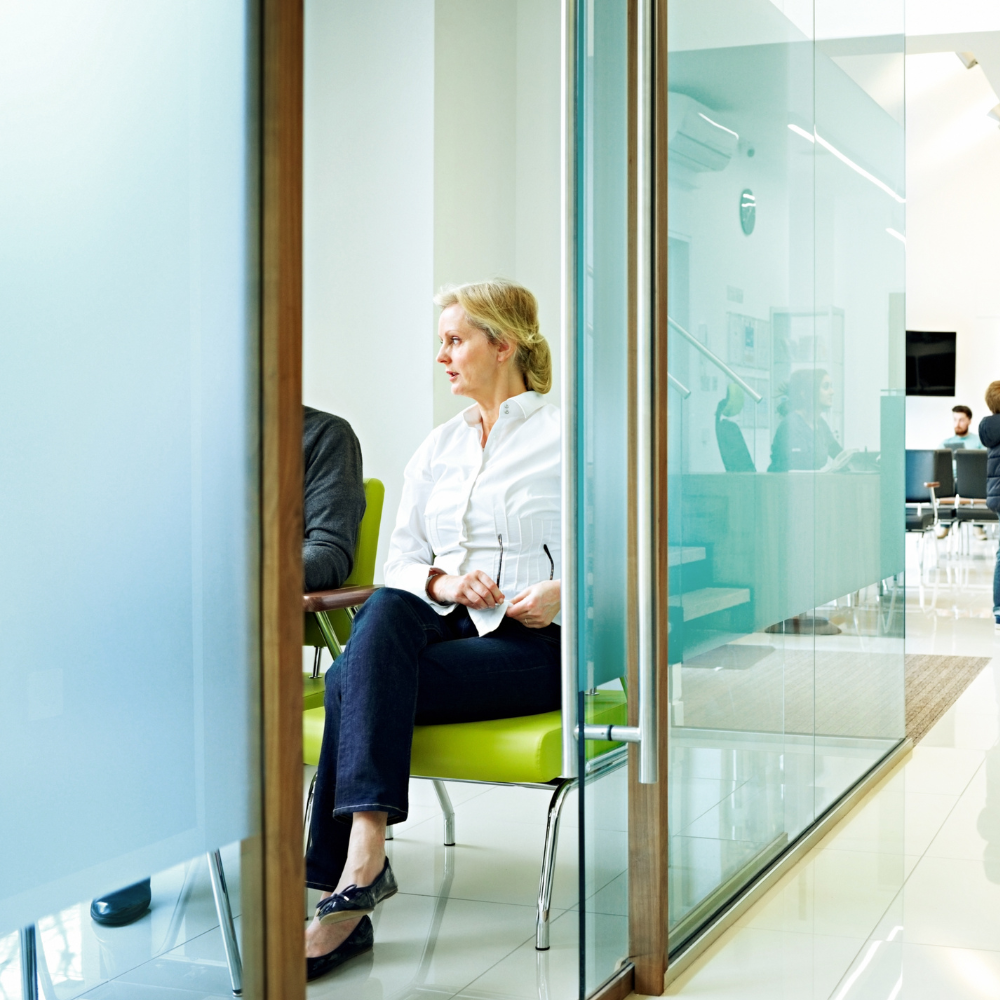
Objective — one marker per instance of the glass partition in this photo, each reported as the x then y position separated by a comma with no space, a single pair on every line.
128,514
602,475
785,282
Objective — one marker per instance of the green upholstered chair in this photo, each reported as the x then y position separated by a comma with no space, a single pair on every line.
523,751
331,628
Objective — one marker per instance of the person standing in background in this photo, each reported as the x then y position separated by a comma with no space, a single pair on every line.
963,436
989,432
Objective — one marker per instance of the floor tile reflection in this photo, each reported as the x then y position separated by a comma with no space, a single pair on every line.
901,901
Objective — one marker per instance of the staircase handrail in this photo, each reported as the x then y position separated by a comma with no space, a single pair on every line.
717,361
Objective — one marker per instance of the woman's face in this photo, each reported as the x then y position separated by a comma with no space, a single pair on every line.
826,393
471,363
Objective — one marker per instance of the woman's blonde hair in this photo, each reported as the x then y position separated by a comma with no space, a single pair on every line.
507,312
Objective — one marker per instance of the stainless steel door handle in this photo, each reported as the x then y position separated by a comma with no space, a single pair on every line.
646,733
645,507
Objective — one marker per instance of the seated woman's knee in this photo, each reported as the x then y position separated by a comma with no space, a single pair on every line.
387,607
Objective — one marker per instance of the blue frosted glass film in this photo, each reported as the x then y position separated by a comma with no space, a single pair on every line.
128,497
785,282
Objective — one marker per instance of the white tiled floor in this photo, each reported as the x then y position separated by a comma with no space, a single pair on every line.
902,900
462,926
173,953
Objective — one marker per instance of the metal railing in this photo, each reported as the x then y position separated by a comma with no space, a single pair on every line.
715,359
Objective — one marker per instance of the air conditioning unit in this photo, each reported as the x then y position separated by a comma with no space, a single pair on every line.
696,139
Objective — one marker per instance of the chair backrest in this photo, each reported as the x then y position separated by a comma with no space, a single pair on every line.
732,446
944,472
920,469
970,480
363,571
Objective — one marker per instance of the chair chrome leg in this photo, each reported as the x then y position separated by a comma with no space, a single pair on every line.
29,963
329,636
307,819
224,911
549,863
449,813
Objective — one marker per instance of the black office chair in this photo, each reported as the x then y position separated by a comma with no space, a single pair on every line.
970,488
923,466
922,470
732,445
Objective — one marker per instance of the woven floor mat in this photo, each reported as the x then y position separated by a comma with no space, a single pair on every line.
933,685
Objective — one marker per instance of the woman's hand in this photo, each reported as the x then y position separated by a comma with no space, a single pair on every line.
537,605
474,590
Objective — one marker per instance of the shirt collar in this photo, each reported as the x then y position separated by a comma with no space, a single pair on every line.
522,405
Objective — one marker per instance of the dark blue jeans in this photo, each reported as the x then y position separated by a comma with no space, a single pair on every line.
407,665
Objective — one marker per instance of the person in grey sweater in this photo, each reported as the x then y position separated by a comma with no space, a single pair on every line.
333,502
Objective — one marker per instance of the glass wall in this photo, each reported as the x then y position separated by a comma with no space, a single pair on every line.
786,260
128,512
602,311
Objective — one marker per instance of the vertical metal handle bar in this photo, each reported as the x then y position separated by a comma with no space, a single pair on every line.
570,673
648,743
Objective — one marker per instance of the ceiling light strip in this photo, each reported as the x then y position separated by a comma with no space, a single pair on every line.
816,137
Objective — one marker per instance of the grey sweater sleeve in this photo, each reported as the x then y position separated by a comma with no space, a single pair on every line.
334,499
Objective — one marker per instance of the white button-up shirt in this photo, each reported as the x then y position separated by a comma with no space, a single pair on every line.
496,509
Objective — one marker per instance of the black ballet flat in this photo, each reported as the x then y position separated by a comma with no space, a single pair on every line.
126,906
355,900
358,942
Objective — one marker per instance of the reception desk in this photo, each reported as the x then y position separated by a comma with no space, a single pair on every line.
796,540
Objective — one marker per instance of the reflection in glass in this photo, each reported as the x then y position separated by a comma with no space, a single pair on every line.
177,944
785,171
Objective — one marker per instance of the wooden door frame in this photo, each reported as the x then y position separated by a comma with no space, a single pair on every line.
273,871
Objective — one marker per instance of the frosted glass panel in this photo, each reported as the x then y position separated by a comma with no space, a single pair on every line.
127,442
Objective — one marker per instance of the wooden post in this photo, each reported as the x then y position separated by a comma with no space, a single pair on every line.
274,873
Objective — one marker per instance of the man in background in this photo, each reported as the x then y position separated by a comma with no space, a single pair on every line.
964,436
333,504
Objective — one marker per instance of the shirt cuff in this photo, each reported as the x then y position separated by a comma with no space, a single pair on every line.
413,578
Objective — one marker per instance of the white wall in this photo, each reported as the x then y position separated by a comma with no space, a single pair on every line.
496,156
953,229
369,227
431,157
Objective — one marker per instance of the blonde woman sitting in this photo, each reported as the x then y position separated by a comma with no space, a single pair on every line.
466,628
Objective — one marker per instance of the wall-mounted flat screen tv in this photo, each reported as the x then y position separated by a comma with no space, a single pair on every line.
930,363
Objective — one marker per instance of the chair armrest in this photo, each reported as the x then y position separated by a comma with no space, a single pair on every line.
931,486
342,597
